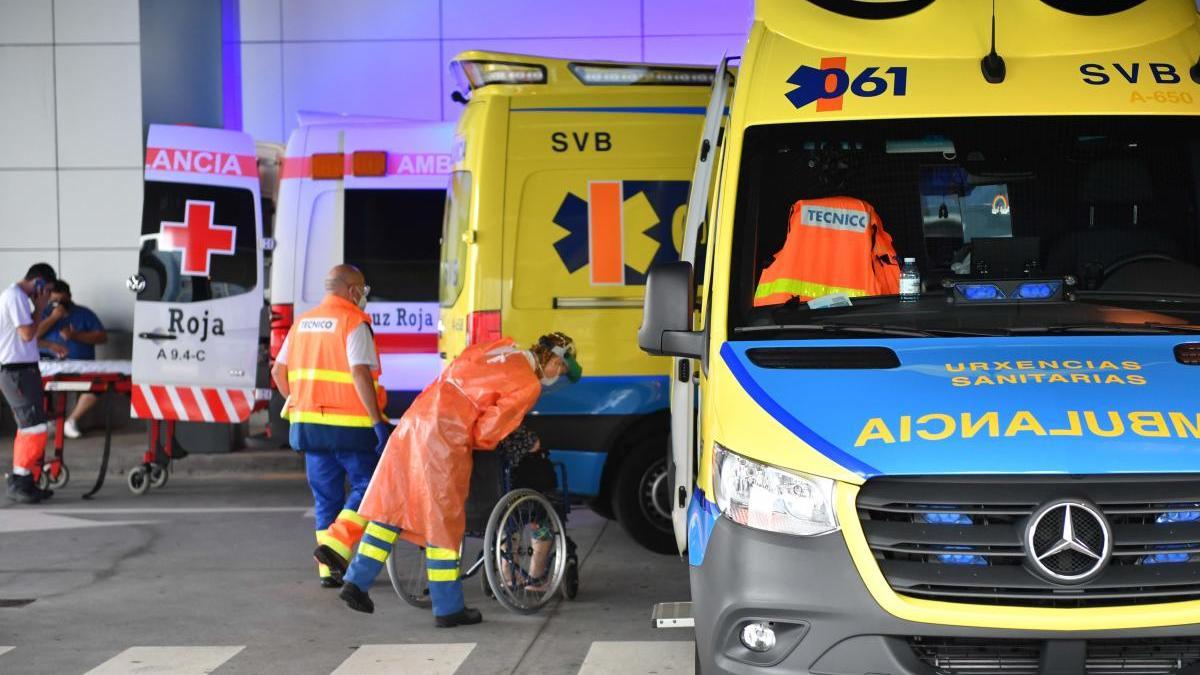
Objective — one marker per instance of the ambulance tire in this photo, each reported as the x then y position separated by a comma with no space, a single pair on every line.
138,480
638,489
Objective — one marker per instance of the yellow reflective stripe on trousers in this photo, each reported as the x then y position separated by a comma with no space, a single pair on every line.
434,553
338,547
352,516
381,533
443,575
317,417
322,375
807,289
372,551
322,568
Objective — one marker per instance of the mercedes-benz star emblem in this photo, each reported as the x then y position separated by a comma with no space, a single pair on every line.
1068,541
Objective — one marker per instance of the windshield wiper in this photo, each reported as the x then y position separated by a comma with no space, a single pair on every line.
860,329
1148,328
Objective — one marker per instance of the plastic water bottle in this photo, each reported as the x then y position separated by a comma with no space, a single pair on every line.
910,281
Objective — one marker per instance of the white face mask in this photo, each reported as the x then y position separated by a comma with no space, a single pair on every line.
362,297
549,381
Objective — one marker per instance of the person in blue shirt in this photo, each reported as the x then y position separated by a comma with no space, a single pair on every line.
74,336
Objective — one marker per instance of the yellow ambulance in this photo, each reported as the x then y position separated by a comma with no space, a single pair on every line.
947,416
569,183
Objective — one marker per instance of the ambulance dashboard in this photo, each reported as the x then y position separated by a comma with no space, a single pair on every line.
1106,207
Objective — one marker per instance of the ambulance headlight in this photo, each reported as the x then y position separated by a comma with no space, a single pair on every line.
772,499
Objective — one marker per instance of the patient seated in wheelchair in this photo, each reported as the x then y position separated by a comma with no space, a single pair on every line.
530,468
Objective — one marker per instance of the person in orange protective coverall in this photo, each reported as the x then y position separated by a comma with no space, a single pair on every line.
419,491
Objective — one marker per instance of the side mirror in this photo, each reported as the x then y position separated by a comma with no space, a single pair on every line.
666,328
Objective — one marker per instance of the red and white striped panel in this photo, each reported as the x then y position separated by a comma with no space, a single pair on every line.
192,404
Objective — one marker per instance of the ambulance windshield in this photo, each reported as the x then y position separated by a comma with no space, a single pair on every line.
199,242
1107,205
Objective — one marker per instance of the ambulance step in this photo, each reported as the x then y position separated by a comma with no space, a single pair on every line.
673,615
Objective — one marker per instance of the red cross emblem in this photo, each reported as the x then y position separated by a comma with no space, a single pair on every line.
197,237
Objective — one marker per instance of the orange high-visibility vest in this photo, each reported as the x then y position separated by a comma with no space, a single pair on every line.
322,389
834,245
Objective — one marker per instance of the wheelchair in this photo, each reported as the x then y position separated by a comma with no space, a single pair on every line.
519,511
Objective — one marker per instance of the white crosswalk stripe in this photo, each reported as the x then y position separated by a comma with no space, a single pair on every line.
166,661
633,658
603,658
426,659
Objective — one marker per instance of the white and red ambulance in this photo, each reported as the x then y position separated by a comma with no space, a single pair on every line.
370,192
200,306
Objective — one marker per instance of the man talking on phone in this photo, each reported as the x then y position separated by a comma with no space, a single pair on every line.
20,381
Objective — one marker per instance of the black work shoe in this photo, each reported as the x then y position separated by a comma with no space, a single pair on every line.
330,582
330,558
356,598
467,617
22,490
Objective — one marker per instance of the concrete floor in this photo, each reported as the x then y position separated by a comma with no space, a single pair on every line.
214,574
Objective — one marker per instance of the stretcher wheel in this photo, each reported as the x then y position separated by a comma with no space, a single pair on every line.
159,475
138,480
56,482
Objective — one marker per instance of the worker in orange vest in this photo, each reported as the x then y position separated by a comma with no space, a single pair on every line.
834,245
329,370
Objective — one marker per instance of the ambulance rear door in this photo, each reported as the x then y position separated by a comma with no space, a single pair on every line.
199,282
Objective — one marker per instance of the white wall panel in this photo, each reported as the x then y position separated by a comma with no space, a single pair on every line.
101,208
697,49
99,106
262,91
14,263
380,78
96,21
697,17
28,209
26,107
259,20
360,19
26,22
540,18
97,280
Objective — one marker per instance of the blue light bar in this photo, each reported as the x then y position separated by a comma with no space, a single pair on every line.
1166,558
1037,290
944,518
962,559
978,292
1178,517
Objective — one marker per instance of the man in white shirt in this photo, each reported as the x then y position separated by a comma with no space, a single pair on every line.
20,381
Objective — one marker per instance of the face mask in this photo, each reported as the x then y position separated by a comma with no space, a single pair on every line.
549,381
362,299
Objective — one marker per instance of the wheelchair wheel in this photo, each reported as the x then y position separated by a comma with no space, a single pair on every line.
524,532
570,583
406,569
